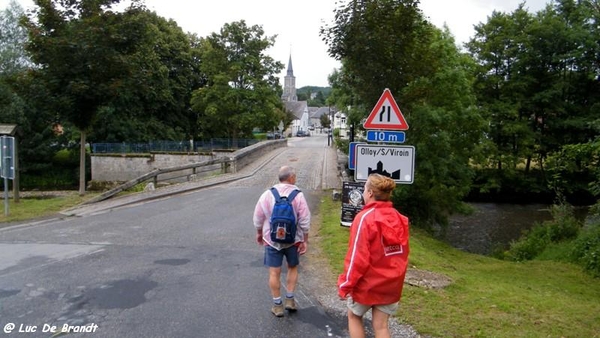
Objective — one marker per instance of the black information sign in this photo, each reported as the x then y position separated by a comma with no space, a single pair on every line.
352,201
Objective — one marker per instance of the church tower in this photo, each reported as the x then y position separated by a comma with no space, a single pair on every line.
289,87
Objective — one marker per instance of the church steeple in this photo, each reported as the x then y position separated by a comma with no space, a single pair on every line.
289,87
290,70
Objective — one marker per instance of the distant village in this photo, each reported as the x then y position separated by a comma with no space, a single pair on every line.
307,119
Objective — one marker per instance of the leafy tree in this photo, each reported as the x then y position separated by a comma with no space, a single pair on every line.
242,88
318,101
302,96
13,61
18,90
537,80
389,44
12,40
382,44
320,95
154,102
447,130
149,67
80,48
500,87
342,97
325,121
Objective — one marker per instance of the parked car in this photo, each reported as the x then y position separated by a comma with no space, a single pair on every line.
302,133
273,135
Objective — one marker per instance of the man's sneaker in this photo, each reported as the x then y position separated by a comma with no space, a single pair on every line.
277,310
290,304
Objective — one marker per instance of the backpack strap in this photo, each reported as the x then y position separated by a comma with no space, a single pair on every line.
290,197
275,194
293,195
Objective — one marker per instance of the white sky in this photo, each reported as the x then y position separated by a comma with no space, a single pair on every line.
297,24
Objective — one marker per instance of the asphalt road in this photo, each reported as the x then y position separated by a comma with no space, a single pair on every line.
182,266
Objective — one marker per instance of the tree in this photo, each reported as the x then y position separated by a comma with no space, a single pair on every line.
500,84
79,47
389,44
382,44
12,40
13,61
154,100
325,121
11,51
17,90
537,77
242,88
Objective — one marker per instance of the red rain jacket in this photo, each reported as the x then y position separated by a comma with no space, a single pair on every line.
377,257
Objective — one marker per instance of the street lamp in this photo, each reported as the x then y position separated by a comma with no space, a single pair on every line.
330,132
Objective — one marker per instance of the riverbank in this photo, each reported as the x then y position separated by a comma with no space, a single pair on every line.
486,297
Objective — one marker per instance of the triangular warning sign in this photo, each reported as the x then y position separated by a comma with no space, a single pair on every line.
386,115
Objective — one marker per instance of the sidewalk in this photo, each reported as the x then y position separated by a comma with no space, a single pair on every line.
330,180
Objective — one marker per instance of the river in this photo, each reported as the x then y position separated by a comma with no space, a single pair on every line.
494,225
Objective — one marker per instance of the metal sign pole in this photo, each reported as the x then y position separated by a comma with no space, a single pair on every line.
2,167
6,197
6,157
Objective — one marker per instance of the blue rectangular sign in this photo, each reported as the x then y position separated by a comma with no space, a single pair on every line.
385,136
352,155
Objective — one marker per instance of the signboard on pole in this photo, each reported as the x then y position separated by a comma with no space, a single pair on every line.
352,201
7,144
396,162
386,114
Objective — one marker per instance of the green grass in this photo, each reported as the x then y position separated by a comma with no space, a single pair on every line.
488,297
35,208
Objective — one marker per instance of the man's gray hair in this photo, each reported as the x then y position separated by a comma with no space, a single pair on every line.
285,173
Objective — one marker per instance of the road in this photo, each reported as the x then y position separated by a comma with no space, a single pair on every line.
182,266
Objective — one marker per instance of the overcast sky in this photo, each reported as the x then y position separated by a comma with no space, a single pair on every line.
297,24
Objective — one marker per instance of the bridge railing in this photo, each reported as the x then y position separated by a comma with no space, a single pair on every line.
228,164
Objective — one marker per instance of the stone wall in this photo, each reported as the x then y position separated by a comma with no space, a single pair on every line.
126,167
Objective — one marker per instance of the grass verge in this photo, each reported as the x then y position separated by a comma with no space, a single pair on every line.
36,208
488,297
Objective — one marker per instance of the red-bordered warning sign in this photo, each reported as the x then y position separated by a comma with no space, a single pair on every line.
386,115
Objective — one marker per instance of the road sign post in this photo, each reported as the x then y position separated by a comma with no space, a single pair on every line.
385,124
396,162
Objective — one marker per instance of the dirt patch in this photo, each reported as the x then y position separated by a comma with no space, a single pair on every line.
426,279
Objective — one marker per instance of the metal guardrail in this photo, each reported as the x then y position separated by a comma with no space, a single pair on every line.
154,175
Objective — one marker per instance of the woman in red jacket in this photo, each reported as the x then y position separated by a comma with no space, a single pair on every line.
376,260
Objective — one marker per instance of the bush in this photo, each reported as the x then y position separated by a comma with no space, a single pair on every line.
563,227
531,244
586,251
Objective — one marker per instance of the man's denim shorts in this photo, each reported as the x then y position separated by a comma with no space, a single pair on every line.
274,257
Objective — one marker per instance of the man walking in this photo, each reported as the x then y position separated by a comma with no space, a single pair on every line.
275,250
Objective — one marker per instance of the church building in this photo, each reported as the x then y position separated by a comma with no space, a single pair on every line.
290,100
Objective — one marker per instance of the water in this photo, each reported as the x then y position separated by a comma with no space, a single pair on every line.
494,226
